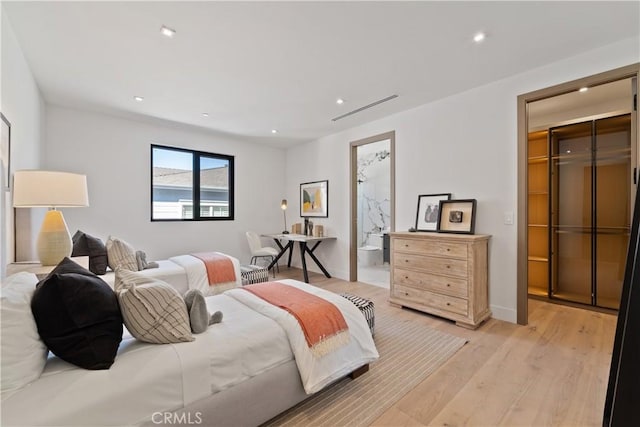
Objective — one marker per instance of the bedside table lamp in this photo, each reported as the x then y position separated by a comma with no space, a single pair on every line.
38,188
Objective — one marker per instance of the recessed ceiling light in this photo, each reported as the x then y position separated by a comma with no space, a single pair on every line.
166,31
205,114
138,98
479,37
339,101
274,130
583,89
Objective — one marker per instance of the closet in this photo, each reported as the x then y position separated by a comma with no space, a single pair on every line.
579,192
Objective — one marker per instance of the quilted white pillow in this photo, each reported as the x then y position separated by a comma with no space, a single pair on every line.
23,352
121,254
152,310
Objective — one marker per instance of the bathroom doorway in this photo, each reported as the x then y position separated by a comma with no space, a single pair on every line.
372,208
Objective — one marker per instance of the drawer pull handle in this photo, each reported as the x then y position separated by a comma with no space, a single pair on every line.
448,249
406,246
448,303
448,285
406,293
406,260
406,277
448,266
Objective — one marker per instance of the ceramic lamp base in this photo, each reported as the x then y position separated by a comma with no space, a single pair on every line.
54,240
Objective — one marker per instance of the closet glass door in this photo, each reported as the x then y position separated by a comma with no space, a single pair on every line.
571,212
612,206
590,210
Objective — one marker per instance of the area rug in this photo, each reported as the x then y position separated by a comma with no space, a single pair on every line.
409,353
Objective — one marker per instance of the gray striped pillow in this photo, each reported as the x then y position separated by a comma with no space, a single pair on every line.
121,254
152,310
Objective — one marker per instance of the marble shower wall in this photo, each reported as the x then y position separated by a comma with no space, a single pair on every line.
374,190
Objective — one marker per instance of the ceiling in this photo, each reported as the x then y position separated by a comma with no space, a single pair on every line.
254,67
607,99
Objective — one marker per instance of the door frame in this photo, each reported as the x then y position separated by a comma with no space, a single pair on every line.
629,71
353,232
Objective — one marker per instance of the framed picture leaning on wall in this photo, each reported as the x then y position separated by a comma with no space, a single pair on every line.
457,216
428,208
314,199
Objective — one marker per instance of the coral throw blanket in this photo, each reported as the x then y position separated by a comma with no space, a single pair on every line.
219,267
322,322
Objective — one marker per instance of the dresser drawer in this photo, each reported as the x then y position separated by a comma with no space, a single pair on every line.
431,299
426,247
446,266
431,282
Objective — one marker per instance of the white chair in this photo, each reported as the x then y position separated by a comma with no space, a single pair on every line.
259,251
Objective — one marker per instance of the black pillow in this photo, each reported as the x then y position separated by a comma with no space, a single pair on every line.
84,244
78,316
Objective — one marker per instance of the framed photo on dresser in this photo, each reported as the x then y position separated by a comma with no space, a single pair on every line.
428,208
457,216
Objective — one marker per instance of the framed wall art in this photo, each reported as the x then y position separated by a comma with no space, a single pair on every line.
428,209
5,152
314,199
457,216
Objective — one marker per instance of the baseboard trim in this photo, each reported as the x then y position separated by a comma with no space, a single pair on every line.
504,313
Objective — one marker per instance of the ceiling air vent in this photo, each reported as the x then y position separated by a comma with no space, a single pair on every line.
366,107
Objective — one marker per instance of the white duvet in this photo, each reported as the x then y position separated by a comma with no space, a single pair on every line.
197,277
148,378
317,372
185,272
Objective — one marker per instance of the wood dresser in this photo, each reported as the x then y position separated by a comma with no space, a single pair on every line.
441,274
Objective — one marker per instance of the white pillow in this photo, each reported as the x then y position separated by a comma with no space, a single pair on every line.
121,254
152,310
23,352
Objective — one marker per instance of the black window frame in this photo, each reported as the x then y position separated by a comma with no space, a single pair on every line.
196,156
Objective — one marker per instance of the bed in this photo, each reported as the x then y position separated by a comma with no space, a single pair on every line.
225,377
183,272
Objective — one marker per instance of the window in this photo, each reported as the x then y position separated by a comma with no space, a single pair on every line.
190,185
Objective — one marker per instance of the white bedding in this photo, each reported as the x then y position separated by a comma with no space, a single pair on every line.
318,372
184,272
197,277
147,378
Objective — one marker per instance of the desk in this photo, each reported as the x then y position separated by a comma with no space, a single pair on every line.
304,242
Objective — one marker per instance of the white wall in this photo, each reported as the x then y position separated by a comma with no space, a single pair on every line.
464,144
23,106
114,154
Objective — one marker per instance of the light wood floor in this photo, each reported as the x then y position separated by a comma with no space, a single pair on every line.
552,372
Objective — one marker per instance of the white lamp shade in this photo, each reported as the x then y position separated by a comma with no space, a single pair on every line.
38,188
